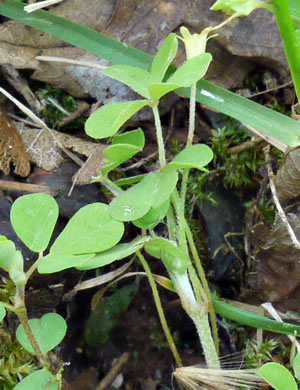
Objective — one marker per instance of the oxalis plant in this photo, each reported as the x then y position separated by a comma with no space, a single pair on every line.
91,238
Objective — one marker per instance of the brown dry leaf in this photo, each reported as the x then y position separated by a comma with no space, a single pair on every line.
255,37
278,272
90,168
20,44
94,14
143,24
12,149
45,152
288,177
18,56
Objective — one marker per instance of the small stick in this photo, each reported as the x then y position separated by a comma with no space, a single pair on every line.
25,187
141,162
280,211
245,145
72,62
270,89
21,85
25,121
114,372
83,107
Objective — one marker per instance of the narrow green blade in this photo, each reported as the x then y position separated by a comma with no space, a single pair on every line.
271,123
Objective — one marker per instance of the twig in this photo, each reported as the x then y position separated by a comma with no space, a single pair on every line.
21,85
25,187
141,162
270,89
280,211
72,62
114,372
83,106
245,145
25,121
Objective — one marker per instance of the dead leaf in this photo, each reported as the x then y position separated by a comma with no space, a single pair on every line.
45,152
255,37
288,177
18,57
278,269
12,148
91,167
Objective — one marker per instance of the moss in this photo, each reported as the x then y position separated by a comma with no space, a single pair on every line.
58,106
15,362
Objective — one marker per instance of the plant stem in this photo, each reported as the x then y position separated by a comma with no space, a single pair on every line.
33,267
185,176
289,39
160,309
204,282
111,186
192,114
171,224
159,136
198,313
201,273
21,312
208,345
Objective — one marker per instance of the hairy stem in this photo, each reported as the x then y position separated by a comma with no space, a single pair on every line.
205,285
198,313
192,114
185,176
159,136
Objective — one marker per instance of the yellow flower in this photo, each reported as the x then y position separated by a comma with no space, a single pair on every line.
195,44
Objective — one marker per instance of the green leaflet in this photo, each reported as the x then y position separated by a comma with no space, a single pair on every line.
48,331
33,218
90,230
